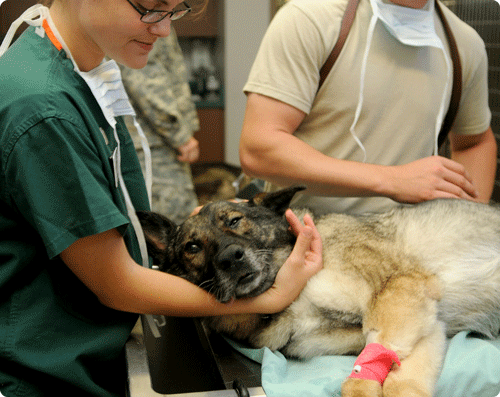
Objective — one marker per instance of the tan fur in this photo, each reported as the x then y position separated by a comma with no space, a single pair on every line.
404,279
362,388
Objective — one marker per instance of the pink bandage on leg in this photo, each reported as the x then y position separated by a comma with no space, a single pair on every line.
374,363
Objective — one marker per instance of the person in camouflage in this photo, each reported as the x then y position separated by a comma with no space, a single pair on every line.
161,97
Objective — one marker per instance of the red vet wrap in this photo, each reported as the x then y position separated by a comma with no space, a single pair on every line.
374,363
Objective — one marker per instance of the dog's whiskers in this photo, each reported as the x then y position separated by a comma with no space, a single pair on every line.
207,284
210,287
264,251
210,280
261,255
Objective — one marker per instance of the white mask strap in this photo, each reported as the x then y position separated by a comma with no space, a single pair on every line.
28,16
369,38
134,220
147,161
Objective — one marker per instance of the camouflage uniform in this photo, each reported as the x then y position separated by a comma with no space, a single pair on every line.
161,97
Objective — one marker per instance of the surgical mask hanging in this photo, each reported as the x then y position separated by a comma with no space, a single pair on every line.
410,26
414,27
106,85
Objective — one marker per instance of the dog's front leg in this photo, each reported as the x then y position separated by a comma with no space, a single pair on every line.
416,375
361,388
402,319
369,372
419,372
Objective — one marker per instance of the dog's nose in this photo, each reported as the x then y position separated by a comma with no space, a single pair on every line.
230,256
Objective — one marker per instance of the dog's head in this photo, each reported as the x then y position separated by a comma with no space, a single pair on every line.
232,250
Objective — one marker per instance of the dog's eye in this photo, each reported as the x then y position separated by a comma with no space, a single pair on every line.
233,222
192,248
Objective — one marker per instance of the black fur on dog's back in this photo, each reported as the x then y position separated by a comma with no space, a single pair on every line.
250,240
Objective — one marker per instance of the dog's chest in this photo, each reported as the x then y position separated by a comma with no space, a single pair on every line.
332,298
324,314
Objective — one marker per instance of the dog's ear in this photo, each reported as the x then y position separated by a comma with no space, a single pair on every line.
278,201
159,231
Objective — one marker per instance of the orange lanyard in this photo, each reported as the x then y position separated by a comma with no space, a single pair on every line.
51,35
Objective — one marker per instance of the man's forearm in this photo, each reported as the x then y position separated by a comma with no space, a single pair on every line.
480,162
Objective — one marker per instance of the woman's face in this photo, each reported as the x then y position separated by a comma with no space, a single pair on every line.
113,28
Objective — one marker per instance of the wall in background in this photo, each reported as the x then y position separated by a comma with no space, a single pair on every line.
245,23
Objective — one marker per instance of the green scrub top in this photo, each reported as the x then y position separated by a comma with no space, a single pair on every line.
56,186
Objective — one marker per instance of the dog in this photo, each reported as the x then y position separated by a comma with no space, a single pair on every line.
404,279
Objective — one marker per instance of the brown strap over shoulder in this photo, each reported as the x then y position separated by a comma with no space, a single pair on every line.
456,93
345,27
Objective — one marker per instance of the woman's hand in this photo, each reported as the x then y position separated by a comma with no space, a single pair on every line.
189,152
304,262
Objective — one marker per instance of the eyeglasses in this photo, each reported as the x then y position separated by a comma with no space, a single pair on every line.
154,16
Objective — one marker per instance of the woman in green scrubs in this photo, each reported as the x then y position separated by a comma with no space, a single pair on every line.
70,281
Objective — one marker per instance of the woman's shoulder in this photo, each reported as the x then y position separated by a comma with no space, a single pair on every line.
38,82
33,69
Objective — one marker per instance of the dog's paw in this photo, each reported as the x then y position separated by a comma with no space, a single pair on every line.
404,388
352,387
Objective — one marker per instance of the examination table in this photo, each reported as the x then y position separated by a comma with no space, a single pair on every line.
179,357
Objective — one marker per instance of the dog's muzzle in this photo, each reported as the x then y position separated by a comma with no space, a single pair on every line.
231,257
238,271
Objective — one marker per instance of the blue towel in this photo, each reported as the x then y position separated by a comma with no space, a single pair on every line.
471,369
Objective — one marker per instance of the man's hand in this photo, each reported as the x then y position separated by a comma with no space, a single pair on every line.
430,178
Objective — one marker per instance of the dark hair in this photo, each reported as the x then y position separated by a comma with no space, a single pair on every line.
199,9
